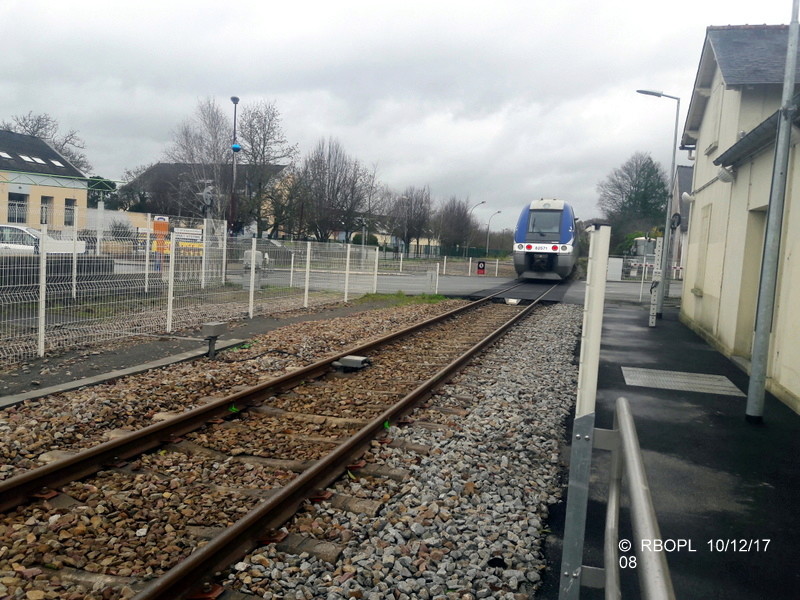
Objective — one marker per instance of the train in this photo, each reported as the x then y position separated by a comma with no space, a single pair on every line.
545,240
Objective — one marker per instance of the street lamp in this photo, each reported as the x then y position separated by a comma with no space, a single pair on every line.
236,148
662,289
487,231
469,225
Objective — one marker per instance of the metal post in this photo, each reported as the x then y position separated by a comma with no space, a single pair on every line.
772,237
375,278
224,251
203,256
251,299
658,282
583,426
101,216
171,283
147,255
347,270
308,274
42,320
663,289
75,260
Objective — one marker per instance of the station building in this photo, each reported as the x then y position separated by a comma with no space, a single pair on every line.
730,130
38,185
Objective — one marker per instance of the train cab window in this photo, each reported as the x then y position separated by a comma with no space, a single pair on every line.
545,222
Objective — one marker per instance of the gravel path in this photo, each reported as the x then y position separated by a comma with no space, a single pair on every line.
471,521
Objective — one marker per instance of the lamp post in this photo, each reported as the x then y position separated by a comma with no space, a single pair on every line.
487,231
662,289
236,148
469,226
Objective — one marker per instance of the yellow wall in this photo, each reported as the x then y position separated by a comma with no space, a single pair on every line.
725,242
35,193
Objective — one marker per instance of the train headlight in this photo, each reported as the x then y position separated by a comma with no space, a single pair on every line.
564,248
520,246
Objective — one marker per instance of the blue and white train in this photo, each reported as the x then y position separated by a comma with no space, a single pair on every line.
545,244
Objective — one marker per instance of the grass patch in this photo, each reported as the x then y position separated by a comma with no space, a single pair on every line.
399,298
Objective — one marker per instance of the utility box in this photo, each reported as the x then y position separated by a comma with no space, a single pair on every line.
258,257
214,329
614,272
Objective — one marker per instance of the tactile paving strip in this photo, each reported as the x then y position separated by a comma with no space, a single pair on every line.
678,380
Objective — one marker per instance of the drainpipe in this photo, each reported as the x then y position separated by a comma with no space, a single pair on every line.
754,413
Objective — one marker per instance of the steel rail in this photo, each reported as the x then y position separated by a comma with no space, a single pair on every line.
245,534
18,489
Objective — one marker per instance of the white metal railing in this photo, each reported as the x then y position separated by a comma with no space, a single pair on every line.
84,285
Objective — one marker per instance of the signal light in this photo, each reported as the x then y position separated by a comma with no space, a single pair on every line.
554,248
529,247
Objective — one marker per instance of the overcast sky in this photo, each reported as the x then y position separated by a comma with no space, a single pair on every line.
502,101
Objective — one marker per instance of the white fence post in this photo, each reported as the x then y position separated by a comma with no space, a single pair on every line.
171,282
496,266
251,300
308,274
147,253
75,261
224,250
401,262
100,226
203,256
42,320
347,272
375,278
444,268
291,271
469,267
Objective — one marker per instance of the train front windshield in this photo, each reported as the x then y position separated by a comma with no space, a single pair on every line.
545,223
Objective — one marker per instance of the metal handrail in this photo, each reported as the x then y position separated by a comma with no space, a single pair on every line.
653,570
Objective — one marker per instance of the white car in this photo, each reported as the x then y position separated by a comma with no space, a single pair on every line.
19,239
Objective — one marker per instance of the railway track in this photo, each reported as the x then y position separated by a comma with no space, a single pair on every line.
246,461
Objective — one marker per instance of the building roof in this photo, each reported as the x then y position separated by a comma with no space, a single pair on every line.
750,54
29,154
745,55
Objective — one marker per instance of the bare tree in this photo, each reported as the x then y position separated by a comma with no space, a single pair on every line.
202,143
69,144
329,187
265,150
410,215
454,223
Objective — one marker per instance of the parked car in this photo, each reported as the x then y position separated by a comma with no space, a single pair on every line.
19,239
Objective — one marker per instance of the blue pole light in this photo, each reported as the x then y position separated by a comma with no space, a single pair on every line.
236,147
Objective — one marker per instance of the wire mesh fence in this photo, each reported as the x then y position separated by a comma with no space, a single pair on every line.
110,275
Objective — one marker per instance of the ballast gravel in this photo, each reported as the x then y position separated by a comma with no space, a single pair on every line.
471,521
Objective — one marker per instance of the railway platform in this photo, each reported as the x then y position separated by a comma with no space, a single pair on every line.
723,489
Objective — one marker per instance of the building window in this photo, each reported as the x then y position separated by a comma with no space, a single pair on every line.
17,208
69,212
46,210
